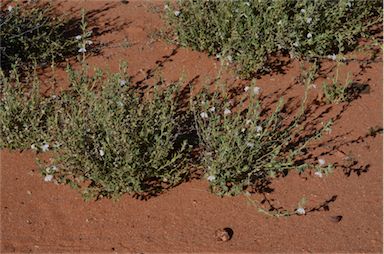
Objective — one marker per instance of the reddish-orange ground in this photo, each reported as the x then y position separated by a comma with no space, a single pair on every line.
43,217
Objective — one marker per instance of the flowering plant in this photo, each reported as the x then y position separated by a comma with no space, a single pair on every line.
249,33
242,145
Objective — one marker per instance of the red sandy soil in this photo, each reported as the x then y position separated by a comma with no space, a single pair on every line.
43,217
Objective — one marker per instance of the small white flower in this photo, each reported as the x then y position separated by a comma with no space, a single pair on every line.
44,147
101,152
211,178
218,56
48,178
82,50
246,89
34,147
309,35
318,174
302,10
321,162
296,44
212,109
89,42
256,90
332,57
54,168
177,13
10,8
300,211
242,129
204,115
259,128
227,111
122,82
166,7
248,121
309,20
78,37
249,144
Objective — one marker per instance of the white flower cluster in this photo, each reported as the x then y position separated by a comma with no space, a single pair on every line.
177,13
122,82
211,178
308,20
212,109
50,171
333,57
82,46
44,147
256,90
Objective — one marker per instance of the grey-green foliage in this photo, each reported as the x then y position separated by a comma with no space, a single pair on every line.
250,32
242,145
25,114
110,138
335,92
119,140
33,32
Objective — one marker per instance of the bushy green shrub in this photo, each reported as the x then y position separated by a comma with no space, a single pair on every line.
249,33
242,145
34,32
119,140
109,138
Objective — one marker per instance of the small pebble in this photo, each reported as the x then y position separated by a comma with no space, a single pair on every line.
223,235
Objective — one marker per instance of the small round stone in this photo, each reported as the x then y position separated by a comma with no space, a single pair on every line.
222,235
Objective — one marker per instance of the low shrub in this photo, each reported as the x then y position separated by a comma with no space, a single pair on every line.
250,33
120,140
35,33
244,145
110,138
